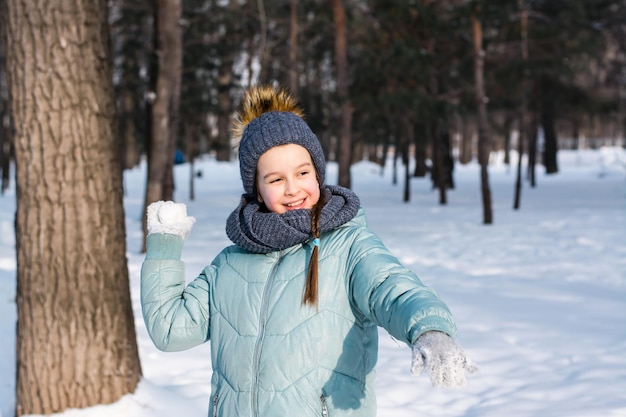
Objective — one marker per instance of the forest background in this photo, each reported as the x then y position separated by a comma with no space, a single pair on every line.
89,88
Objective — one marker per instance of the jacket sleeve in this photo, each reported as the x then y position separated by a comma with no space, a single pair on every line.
176,316
392,296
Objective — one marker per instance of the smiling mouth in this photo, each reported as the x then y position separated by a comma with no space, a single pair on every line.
295,204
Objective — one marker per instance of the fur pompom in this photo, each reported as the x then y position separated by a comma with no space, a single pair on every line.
263,99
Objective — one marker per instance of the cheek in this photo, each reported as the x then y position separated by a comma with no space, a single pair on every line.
314,193
269,195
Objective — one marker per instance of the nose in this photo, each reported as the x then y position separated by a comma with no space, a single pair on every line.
290,187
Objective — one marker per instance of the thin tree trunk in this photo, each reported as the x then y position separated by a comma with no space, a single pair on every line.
223,151
532,153
191,148
174,71
6,149
394,171
550,147
420,139
263,55
225,82
481,106
383,157
508,121
575,133
621,111
407,138
523,128
130,153
5,126
76,343
249,42
341,61
165,106
447,159
293,46
438,164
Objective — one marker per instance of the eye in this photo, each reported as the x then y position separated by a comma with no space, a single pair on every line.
274,180
303,173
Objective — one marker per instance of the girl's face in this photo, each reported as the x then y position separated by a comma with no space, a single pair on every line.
286,179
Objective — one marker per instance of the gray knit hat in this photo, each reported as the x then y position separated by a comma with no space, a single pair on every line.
270,117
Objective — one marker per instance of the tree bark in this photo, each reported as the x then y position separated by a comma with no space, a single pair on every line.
76,342
341,61
481,107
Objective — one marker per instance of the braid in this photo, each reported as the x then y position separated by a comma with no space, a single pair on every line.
310,288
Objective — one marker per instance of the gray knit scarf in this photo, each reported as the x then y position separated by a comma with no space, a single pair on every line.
251,227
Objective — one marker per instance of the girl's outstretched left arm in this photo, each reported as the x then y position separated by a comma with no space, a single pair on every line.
176,315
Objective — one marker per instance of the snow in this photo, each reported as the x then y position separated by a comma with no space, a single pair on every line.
539,296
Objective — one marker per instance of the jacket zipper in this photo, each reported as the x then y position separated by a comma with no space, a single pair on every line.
324,407
215,397
261,336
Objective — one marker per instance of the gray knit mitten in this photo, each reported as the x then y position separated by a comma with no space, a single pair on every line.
169,217
444,360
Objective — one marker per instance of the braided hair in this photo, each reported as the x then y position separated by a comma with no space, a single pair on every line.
311,285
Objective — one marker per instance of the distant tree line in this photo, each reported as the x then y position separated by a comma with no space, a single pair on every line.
407,81
434,81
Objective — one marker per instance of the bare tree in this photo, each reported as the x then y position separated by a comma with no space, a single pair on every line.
293,46
229,48
523,122
481,107
345,107
76,342
166,101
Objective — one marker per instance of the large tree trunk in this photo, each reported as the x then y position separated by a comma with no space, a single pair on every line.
76,343
164,118
341,61
481,106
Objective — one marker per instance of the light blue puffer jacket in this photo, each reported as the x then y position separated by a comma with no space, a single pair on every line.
272,356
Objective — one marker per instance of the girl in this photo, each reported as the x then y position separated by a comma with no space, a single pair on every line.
291,309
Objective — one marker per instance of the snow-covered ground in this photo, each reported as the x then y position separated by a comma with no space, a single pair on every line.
539,296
